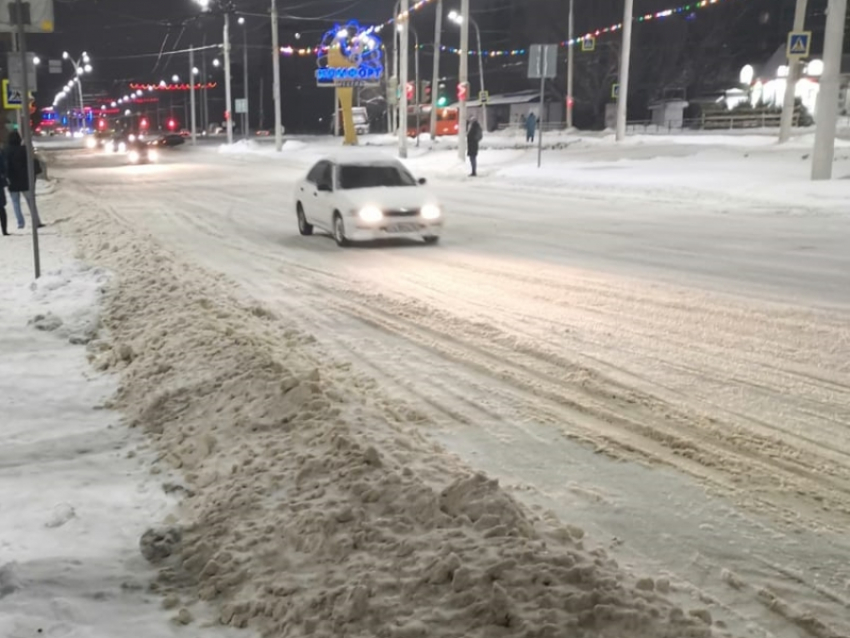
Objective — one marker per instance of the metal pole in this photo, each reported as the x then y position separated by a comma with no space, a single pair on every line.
403,79
418,95
278,123
542,110
464,77
481,72
394,121
625,60
336,112
827,108
435,84
228,93
571,68
192,81
205,94
36,220
795,66
245,120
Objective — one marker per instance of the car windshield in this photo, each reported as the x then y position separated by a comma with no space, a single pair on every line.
371,176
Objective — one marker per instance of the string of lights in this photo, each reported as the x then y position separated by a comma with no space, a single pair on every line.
685,9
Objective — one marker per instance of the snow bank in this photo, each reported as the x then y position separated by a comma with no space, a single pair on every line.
239,147
309,510
72,505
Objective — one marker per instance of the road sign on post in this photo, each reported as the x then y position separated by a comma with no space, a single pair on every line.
588,44
12,98
799,44
16,71
54,67
241,105
484,97
543,62
542,65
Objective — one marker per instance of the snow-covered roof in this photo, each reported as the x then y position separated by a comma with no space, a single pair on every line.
354,156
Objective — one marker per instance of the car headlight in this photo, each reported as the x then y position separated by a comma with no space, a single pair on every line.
132,137
153,155
134,156
91,143
431,212
122,147
370,214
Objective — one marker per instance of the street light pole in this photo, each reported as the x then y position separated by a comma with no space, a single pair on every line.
278,124
435,84
795,66
571,67
625,60
228,93
481,73
192,81
827,109
404,34
464,77
417,90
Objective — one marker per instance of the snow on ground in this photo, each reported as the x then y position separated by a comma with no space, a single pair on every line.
314,508
703,332
72,504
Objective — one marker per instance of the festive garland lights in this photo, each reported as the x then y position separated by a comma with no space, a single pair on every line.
290,51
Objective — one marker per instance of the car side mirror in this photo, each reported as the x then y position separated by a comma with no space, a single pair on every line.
324,188
422,181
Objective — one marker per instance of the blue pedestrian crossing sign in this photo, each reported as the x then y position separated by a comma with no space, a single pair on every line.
799,44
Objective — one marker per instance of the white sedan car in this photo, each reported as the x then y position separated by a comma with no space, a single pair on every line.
359,199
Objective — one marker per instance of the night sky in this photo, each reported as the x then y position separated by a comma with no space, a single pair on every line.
125,37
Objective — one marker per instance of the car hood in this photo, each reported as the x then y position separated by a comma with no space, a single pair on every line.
394,198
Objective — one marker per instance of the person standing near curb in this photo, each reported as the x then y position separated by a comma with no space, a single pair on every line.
18,178
473,139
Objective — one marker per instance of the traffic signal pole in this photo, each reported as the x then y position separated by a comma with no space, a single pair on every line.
464,78
795,67
435,84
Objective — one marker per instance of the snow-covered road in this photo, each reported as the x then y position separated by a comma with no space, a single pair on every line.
706,335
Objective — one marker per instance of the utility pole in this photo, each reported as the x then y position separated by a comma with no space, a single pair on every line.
205,115
245,117
25,114
795,66
418,87
404,35
394,120
192,81
435,84
227,79
278,123
571,67
262,124
623,99
464,77
827,109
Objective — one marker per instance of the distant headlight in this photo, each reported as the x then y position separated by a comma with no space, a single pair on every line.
132,137
430,211
91,143
370,214
122,147
134,156
153,155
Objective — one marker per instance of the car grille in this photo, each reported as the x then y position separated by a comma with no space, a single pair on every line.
412,212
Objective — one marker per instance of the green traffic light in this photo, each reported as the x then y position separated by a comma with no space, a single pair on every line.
442,101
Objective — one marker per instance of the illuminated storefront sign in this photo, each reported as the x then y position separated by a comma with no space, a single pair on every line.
350,56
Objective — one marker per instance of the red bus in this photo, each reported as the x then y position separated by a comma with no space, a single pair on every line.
447,121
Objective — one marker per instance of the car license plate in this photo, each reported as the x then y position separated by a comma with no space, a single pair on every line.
403,228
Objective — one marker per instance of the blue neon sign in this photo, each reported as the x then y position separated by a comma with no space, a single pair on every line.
360,47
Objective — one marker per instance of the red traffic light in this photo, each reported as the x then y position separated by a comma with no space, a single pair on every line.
463,92
411,91
172,124
143,124
101,124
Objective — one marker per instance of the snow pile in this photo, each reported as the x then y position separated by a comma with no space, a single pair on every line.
239,147
308,511
294,145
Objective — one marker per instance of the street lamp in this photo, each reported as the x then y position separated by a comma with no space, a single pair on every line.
457,18
226,8
175,78
81,67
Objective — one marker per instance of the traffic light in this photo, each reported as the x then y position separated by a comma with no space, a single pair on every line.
143,124
101,124
410,89
463,91
425,93
443,98
172,124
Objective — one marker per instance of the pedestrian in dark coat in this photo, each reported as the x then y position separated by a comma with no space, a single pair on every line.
3,220
16,163
473,139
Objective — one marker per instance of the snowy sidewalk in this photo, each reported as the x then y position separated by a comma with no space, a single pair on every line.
72,505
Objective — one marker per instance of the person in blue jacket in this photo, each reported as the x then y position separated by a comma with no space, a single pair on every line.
530,127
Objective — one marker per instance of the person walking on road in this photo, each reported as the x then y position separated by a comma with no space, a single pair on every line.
16,163
473,139
530,127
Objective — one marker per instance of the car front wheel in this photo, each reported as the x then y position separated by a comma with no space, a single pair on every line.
432,240
339,231
303,227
